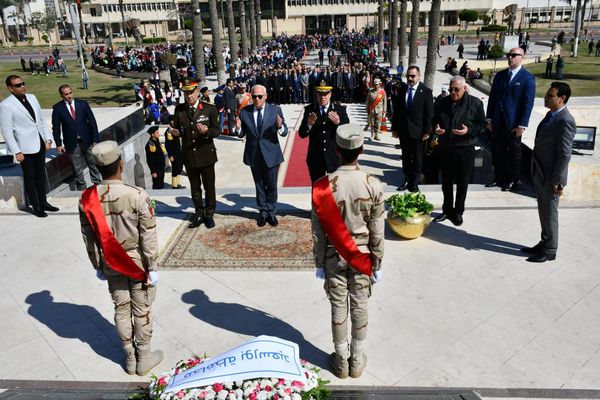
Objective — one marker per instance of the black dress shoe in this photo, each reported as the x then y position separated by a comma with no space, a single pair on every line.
197,220
261,221
397,146
533,250
40,213
414,189
272,220
491,184
457,220
49,207
440,218
541,257
209,222
511,187
403,187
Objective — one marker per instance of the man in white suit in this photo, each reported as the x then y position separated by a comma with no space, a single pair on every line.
28,137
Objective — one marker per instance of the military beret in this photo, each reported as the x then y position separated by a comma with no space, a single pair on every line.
106,153
152,129
349,136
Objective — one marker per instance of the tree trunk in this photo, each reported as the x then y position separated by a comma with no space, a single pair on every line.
197,41
122,9
403,38
243,30
81,25
576,34
394,35
5,36
585,2
380,26
217,49
432,41
258,16
252,24
233,43
414,30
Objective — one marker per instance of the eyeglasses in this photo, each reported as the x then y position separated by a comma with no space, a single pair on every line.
455,90
513,55
20,84
411,76
257,96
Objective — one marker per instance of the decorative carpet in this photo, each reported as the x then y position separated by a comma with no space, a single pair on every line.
236,242
297,172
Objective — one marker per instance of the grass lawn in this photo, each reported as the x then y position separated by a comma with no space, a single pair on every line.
104,90
581,73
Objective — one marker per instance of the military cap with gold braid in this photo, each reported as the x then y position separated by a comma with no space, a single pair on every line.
189,85
323,87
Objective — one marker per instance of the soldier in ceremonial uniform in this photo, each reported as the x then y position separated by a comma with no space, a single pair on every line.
173,146
359,200
242,99
376,108
155,157
197,123
320,123
128,214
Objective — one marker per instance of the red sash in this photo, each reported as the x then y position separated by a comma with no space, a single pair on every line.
334,226
243,104
377,100
114,254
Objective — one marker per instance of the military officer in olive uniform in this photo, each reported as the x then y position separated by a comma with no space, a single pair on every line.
173,146
359,199
155,157
376,108
130,215
197,123
320,123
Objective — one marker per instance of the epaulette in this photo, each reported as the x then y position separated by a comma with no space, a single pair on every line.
138,189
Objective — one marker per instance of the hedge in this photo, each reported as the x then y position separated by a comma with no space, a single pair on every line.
494,28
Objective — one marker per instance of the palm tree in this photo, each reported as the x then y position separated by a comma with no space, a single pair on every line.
414,30
217,49
252,24
432,41
380,22
233,44
4,4
257,15
20,6
122,9
394,35
197,40
403,38
243,31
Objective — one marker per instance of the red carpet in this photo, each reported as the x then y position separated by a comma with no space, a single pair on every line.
297,171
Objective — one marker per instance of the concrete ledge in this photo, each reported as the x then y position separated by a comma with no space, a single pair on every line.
482,85
164,75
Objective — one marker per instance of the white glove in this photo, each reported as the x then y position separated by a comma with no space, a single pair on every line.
154,278
320,273
377,276
100,275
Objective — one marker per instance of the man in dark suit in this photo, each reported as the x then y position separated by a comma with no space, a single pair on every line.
197,123
319,124
76,120
261,123
458,119
230,104
411,122
508,111
550,165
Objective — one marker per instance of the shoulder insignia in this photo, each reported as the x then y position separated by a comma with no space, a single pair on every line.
152,148
150,205
169,136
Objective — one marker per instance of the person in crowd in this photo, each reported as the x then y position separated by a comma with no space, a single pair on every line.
173,147
550,166
458,121
353,229
118,225
27,138
376,108
508,111
560,64
155,158
75,120
320,123
261,123
230,103
197,123
411,123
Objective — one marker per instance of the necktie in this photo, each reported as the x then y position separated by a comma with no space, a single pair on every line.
259,121
409,100
323,111
546,119
72,110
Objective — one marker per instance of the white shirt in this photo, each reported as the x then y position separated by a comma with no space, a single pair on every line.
69,108
408,91
514,72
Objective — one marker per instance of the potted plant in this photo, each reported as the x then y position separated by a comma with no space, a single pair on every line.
408,214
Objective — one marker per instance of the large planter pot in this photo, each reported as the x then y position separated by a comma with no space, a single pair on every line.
408,228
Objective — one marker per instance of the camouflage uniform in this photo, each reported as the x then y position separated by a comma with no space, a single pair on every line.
376,115
130,215
359,197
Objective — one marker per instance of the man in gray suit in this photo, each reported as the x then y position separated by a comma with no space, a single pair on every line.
550,163
27,138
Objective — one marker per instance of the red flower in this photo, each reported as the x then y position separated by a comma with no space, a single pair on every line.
180,394
268,388
281,382
288,391
162,381
217,387
297,384
252,396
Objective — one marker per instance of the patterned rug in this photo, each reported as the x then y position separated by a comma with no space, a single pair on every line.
238,243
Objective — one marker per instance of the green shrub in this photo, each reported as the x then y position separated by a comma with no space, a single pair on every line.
29,40
408,205
494,28
496,51
45,38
